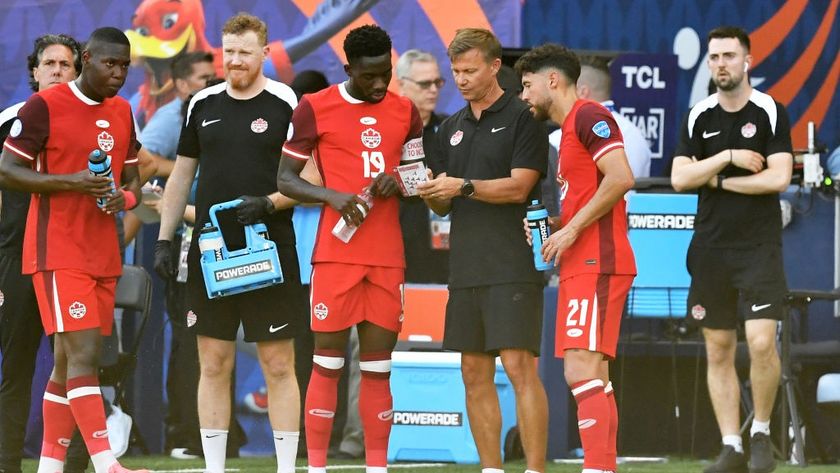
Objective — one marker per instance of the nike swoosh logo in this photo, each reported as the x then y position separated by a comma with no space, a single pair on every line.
205,122
273,329
100,434
211,436
322,413
709,135
756,308
494,130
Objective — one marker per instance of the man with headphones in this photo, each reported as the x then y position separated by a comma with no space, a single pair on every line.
735,149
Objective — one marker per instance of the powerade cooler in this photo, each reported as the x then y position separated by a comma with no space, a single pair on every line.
232,272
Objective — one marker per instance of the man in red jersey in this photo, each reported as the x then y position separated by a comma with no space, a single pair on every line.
589,244
70,244
356,132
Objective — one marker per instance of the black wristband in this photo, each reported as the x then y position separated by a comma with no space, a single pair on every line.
720,178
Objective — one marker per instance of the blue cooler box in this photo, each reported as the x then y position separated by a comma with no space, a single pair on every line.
430,414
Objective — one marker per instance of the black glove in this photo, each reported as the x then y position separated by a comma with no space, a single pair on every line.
164,265
252,209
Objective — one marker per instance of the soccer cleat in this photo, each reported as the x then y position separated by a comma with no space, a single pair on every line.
257,401
729,461
761,454
117,468
119,431
181,453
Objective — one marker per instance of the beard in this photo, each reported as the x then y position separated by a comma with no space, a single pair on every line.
240,79
728,82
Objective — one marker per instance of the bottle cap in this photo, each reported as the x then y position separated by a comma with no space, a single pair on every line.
209,228
97,156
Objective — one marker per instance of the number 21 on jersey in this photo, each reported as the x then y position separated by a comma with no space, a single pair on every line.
374,163
581,314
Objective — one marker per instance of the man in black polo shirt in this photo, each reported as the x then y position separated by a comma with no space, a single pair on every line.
492,155
735,148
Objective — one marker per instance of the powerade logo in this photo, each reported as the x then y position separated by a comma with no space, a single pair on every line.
243,270
542,227
438,419
660,221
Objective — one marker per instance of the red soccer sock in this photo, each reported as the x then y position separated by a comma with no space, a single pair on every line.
86,403
320,404
376,406
593,422
612,445
58,422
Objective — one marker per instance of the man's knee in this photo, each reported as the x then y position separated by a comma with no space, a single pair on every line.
762,348
215,358
720,347
519,366
477,371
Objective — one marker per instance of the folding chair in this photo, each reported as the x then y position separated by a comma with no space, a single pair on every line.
133,295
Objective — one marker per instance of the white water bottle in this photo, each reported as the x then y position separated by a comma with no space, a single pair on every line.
345,232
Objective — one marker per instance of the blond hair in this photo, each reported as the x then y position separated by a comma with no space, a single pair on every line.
242,23
475,38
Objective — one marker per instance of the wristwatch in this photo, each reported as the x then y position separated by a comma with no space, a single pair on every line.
467,188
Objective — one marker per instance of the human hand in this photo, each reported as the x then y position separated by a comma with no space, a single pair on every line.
87,183
352,209
557,243
747,159
442,188
164,265
114,202
253,209
528,237
384,185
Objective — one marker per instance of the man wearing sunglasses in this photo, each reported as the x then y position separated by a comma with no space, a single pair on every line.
419,80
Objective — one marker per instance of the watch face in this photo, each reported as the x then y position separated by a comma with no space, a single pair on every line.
467,189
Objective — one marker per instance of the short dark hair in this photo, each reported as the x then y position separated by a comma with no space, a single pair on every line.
182,66
309,82
550,55
731,32
109,35
366,41
45,41
475,38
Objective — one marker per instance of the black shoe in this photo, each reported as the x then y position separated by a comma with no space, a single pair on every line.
761,454
729,461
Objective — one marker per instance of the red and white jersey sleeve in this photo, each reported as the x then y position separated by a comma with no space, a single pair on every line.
597,130
303,132
30,129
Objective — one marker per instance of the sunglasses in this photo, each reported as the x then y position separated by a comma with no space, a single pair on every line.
427,84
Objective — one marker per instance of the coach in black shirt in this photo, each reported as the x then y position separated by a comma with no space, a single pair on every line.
735,149
492,155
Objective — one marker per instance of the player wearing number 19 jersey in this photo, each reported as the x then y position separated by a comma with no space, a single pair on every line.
356,133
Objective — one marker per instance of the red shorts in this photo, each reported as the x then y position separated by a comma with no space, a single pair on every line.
589,309
71,300
342,295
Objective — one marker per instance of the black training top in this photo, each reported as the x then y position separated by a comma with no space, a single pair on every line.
238,145
487,241
729,219
15,205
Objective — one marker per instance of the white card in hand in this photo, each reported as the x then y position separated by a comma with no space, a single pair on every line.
411,175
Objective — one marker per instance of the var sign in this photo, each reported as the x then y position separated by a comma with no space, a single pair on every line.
644,89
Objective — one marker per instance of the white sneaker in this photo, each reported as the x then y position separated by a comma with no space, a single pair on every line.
119,430
182,454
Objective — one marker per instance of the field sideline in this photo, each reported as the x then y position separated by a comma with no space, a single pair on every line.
267,465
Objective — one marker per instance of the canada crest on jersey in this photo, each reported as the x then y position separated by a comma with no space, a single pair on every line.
748,130
259,125
105,141
371,138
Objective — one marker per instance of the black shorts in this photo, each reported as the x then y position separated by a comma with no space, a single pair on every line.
487,319
18,305
272,313
728,284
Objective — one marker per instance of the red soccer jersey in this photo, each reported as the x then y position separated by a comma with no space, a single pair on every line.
56,130
352,142
589,132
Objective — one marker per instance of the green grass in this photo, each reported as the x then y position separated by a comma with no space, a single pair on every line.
267,465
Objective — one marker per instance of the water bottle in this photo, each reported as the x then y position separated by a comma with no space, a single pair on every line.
99,164
537,217
345,232
210,243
